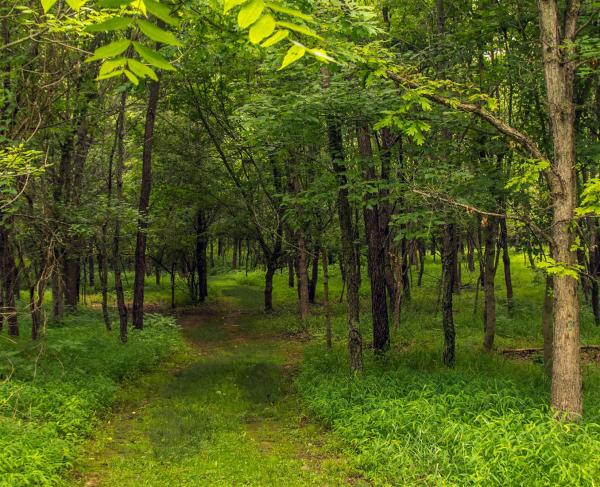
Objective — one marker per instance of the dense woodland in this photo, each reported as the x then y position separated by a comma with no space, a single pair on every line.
409,189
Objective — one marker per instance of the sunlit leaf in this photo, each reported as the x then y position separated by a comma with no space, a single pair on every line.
262,28
157,34
110,50
76,4
229,4
152,57
294,53
48,4
131,77
112,74
113,3
162,12
289,11
300,29
250,13
110,65
141,70
114,23
275,38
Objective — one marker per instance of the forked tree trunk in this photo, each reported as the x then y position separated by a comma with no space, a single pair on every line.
449,249
557,32
146,186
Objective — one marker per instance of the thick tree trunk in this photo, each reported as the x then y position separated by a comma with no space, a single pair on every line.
559,70
489,290
348,252
377,250
269,287
547,330
8,274
449,249
146,186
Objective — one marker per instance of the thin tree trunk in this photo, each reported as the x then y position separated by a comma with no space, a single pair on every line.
449,250
506,262
489,291
146,186
269,287
328,331
303,285
314,276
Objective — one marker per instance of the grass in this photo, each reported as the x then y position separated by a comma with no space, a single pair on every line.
236,407
52,391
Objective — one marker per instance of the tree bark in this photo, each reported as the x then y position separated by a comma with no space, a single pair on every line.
449,249
506,262
547,330
328,331
303,277
314,276
146,186
489,291
559,71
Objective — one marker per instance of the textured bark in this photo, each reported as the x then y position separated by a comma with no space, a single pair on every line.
145,189
547,328
347,237
8,274
201,257
314,275
269,288
291,272
489,277
376,250
116,250
103,275
559,70
449,248
302,277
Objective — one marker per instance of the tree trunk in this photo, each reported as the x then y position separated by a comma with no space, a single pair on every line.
146,186
376,251
172,275
8,274
269,287
201,258
116,251
314,276
347,237
103,275
449,249
303,285
547,325
506,262
328,331
489,291
559,70
291,272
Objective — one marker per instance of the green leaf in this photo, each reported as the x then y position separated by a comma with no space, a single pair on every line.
300,29
157,34
275,38
48,4
111,65
110,50
321,55
294,53
76,4
152,57
162,12
114,23
113,3
250,13
112,74
141,70
131,77
289,11
229,4
262,28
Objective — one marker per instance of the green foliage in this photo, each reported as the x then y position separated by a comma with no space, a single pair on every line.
53,390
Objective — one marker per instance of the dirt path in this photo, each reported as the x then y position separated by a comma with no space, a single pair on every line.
227,414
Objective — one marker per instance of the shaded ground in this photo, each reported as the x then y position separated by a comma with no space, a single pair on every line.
225,414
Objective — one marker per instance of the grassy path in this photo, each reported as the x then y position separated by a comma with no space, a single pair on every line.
225,414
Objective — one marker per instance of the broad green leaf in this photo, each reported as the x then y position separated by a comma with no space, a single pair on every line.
112,74
110,50
48,4
262,28
139,5
141,70
250,13
294,53
76,4
275,38
289,11
152,57
111,65
113,3
157,34
299,28
229,4
114,23
162,12
131,77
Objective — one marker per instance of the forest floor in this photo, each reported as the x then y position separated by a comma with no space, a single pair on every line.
224,413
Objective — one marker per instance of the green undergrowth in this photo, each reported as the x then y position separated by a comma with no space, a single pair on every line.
484,423
52,391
